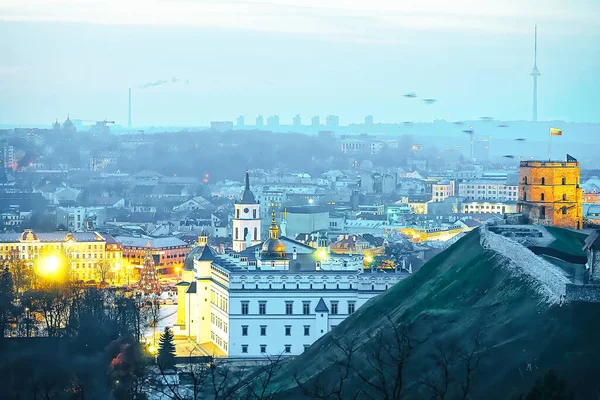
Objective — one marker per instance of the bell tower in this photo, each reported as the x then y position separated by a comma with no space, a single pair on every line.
246,219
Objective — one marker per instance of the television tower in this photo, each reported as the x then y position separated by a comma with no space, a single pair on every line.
129,112
535,73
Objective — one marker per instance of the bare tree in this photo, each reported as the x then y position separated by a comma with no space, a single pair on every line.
20,269
440,380
322,388
470,360
224,380
386,357
257,385
102,269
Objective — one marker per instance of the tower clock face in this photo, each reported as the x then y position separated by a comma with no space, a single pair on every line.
246,210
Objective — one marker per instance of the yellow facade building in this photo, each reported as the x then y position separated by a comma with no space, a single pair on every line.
88,256
550,193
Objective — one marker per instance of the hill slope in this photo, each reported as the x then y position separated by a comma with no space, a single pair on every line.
484,286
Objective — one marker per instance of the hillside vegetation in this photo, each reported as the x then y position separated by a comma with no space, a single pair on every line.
483,319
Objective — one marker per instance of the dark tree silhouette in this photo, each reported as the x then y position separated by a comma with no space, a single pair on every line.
166,349
549,387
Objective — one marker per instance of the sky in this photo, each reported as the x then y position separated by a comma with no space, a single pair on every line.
189,62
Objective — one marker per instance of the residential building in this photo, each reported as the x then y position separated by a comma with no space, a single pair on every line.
485,207
82,252
489,189
169,252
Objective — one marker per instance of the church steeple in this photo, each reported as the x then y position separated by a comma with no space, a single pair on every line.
246,219
273,229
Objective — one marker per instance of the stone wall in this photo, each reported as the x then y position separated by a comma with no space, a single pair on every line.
586,293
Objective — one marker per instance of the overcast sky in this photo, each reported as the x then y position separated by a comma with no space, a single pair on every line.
211,60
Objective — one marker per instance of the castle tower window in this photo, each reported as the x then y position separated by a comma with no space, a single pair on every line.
564,180
542,197
525,180
564,210
564,195
543,180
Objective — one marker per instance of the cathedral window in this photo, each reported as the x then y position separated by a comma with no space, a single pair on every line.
245,233
237,213
237,233
255,233
253,213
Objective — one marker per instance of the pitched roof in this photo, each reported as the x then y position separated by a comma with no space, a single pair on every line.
321,306
207,254
192,288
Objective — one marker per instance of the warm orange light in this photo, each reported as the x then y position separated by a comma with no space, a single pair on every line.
49,266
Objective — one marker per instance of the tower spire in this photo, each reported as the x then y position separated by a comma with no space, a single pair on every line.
247,181
534,73
535,48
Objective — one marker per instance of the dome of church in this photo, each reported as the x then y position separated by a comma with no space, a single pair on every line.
273,247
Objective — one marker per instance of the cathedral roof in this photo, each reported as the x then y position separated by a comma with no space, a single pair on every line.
247,197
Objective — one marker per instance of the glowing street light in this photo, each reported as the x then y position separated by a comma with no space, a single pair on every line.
49,266
322,254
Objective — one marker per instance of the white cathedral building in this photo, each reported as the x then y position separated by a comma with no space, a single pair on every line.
272,297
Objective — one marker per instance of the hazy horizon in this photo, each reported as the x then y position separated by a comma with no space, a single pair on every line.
211,60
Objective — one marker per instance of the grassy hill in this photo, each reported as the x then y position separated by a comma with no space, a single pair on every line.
567,241
492,289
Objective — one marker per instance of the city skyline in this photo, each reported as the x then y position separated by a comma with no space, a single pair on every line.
203,61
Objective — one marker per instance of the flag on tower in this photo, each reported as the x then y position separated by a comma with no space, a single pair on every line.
555,132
